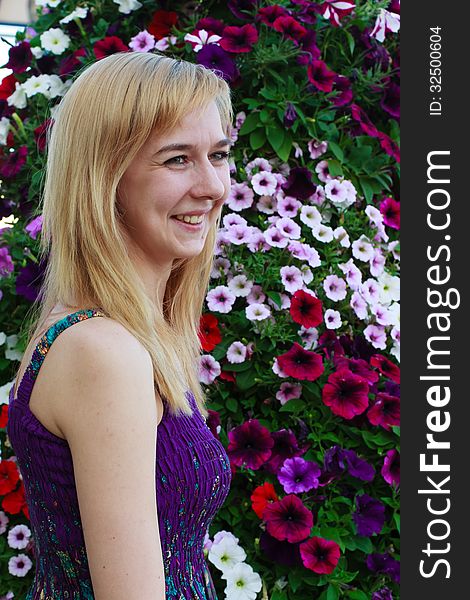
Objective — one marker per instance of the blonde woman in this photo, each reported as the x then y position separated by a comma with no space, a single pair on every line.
121,473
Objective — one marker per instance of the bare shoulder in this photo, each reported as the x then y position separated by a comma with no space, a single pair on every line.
98,361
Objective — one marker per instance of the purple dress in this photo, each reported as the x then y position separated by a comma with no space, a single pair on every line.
192,482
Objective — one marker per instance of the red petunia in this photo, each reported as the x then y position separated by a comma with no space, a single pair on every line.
366,124
209,332
40,134
346,394
385,411
386,367
321,77
3,416
9,476
239,39
261,497
7,86
249,443
319,555
387,144
20,57
288,519
109,45
15,502
268,14
300,363
359,367
306,309
162,23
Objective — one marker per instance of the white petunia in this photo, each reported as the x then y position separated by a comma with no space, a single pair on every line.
4,129
51,3
226,554
36,84
55,40
127,6
57,87
242,583
18,98
257,311
389,288
78,13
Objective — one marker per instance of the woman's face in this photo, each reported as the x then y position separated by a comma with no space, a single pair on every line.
183,171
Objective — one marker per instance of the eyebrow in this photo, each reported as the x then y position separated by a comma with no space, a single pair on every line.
173,147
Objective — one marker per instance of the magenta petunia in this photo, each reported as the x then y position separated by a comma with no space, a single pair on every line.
268,14
391,100
12,163
346,394
319,555
366,124
389,146
386,367
385,411
239,39
289,27
359,367
391,467
301,364
249,444
288,519
299,183
390,210
321,77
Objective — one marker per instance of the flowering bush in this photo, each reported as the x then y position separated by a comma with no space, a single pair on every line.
301,336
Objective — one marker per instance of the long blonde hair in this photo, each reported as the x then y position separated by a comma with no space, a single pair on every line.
100,124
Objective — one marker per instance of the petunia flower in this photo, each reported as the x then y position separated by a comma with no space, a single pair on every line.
289,27
386,367
209,332
346,394
321,77
384,563
306,309
391,468
301,364
320,555
299,183
239,39
142,42
390,210
285,446
109,45
242,582
369,516
249,444
288,519
261,497
19,57
209,369
385,411
216,58
298,475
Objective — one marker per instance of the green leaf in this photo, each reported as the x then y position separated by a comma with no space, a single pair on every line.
237,367
351,41
364,544
294,406
396,518
275,137
332,592
335,168
286,147
337,151
278,595
250,123
294,580
367,189
231,404
357,595
276,296
246,380
257,138
264,116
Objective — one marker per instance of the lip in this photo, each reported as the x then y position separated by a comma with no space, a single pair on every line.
197,213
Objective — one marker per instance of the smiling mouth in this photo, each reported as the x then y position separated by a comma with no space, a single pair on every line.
191,219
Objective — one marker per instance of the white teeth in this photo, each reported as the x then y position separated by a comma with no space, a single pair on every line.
192,219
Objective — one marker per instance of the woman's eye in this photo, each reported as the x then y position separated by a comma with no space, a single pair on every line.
181,160
222,155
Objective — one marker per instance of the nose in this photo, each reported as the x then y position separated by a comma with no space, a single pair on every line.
208,181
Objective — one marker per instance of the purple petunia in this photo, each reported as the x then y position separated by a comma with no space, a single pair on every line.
298,475
369,516
214,57
384,563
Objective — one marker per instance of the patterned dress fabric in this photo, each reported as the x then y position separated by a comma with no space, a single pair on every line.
192,481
